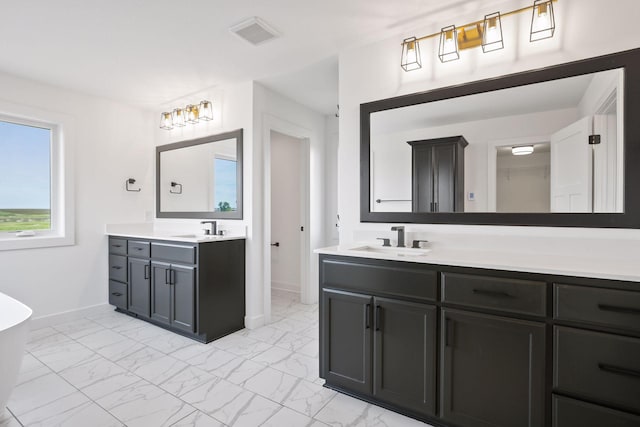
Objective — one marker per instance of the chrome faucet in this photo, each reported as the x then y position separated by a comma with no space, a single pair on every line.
210,232
400,230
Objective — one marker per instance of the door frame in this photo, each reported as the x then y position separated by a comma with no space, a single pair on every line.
273,123
492,161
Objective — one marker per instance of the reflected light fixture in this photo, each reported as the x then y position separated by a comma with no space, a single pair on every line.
492,33
448,50
178,117
543,23
166,121
206,111
486,33
522,150
410,54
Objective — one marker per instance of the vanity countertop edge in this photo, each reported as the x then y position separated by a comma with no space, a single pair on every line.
597,268
168,235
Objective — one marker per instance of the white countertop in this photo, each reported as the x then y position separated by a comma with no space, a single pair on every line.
146,231
611,269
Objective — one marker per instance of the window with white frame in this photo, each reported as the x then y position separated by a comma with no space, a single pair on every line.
33,209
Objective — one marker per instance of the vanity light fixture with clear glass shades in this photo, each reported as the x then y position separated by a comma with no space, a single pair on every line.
179,117
411,54
166,121
206,110
192,113
486,33
492,33
543,22
448,50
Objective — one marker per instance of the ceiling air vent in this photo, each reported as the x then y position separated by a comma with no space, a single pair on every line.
254,30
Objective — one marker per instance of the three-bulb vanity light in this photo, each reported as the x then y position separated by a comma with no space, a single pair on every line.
486,33
190,114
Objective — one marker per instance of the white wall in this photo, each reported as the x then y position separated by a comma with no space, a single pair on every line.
286,189
111,142
331,180
523,183
574,39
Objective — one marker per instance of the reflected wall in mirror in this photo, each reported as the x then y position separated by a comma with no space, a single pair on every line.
554,119
200,178
556,146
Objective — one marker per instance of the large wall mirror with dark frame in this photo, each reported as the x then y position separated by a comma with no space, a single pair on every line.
200,178
557,146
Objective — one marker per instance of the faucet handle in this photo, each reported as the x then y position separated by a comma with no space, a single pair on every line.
397,228
416,243
385,241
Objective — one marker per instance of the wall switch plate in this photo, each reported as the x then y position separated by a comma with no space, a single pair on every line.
471,196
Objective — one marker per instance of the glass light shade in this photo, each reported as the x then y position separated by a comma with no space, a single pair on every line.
543,23
410,54
448,49
166,121
179,117
522,150
492,33
206,110
192,113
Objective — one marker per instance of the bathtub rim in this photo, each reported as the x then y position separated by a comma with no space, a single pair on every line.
18,320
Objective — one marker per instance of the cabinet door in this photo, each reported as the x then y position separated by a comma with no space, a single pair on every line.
161,292
346,340
444,177
493,370
139,286
422,182
405,354
183,282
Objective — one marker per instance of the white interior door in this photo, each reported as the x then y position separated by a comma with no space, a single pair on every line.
571,167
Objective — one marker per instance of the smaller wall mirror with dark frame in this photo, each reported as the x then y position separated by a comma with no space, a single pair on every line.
200,178
414,168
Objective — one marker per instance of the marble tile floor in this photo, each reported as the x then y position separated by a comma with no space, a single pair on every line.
109,369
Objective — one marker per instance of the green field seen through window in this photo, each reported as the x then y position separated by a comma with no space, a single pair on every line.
24,219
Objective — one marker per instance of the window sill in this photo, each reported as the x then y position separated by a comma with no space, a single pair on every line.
11,242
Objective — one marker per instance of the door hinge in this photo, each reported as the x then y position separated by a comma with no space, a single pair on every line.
594,139
301,228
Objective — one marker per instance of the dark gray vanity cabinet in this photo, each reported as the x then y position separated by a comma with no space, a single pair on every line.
173,295
361,333
437,181
139,286
492,370
197,290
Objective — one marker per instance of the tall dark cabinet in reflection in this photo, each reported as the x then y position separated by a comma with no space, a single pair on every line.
438,174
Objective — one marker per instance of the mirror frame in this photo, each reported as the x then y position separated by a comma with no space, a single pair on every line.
237,214
630,218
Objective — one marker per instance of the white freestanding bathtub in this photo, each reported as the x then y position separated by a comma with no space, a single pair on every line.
14,331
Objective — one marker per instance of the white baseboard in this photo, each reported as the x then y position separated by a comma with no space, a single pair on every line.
253,322
67,316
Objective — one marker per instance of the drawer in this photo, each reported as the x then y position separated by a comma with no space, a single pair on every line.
117,246
137,248
118,294
511,295
597,366
118,267
597,306
388,278
174,253
570,413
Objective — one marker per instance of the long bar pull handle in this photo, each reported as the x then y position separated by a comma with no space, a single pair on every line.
378,310
367,316
146,272
619,309
117,267
118,294
172,277
492,293
117,246
167,280
618,370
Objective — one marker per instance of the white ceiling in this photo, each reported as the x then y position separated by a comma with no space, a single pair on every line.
150,52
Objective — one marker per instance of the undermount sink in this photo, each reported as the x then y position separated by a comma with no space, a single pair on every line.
394,251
